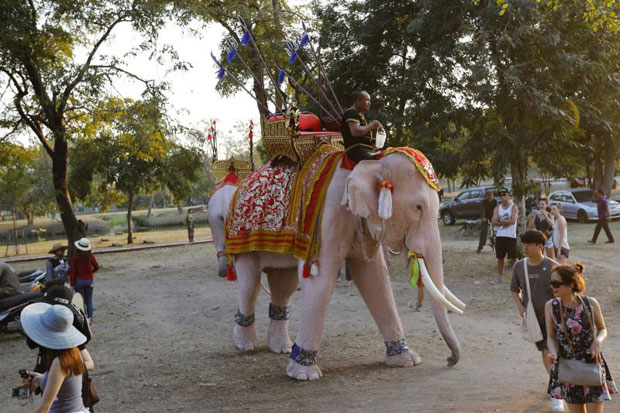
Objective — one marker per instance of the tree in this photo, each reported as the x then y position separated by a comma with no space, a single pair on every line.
269,21
180,171
130,153
51,88
15,178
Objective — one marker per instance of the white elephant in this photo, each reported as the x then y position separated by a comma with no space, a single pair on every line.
352,228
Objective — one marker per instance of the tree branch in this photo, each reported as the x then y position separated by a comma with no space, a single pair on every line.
121,70
12,131
32,123
86,65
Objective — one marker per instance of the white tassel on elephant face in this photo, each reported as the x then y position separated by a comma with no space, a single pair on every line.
385,200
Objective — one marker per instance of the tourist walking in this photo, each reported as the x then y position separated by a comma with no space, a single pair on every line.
576,331
57,267
542,220
50,326
505,218
602,206
81,273
539,270
486,215
560,234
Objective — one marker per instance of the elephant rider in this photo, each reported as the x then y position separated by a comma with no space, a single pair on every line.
356,131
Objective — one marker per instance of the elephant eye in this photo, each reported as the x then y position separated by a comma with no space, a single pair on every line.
419,207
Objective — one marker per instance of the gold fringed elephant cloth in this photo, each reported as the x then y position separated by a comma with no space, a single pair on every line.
279,208
421,162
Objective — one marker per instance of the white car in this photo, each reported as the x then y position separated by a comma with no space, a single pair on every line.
578,204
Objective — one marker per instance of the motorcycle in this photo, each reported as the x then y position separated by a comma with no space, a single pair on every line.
32,287
11,308
30,281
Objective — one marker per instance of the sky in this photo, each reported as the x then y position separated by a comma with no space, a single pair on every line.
192,95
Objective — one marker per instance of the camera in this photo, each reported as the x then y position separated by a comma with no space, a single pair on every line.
24,373
19,392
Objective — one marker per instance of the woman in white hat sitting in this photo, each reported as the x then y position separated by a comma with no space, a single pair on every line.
83,266
51,327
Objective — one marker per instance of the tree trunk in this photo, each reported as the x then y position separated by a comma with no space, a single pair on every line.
179,208
61,190
519,177
609,170
15,230
598,172
129,223
151,202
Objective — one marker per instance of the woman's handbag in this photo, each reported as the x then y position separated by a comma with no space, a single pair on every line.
530,329
571,371
89,394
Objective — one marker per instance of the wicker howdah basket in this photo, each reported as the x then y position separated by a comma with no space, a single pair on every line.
281,137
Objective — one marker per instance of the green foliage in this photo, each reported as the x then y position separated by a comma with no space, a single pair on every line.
25,182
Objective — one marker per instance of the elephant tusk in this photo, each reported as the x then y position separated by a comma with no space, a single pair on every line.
434,292
452,298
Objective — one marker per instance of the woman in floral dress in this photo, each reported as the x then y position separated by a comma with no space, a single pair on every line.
574,324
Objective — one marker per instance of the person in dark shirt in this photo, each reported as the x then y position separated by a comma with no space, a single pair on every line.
603,218
486,215
356,131
542,220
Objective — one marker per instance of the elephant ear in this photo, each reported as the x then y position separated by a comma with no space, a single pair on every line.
363,194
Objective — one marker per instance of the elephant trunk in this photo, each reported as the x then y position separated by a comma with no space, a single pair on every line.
435,269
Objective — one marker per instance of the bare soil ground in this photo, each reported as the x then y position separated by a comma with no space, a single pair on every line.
163,341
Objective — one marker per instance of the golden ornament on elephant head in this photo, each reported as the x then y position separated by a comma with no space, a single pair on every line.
223,167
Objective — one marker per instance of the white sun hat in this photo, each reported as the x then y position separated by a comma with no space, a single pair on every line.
51,326
83,244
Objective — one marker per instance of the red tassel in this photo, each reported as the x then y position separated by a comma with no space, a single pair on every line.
230,273
306,273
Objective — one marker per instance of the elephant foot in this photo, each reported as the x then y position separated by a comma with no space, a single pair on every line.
299,372
399,355
302,364
409,359
244,332
277,337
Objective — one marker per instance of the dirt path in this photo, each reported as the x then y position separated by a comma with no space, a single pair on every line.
163,342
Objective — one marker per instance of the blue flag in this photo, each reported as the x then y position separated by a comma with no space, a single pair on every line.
304,39
246,38
281,76
221,73
231,55
293,57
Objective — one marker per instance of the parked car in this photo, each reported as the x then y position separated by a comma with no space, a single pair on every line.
466,205
577,203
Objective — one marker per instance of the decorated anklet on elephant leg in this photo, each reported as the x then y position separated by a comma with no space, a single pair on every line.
279,313
244,320
302,356
396,347
398,354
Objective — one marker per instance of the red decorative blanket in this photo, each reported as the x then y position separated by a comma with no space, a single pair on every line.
278,208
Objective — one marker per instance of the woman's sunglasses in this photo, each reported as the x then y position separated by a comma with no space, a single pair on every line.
556,284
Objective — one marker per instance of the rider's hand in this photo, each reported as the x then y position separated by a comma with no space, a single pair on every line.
375,124
552,357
